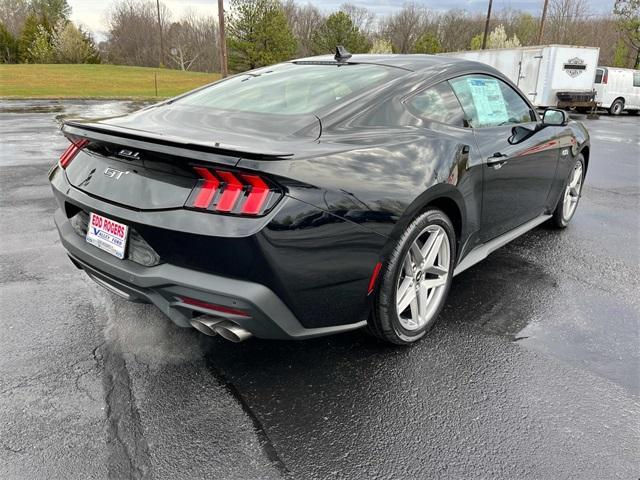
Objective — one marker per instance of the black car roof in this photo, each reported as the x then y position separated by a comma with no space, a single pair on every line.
412,62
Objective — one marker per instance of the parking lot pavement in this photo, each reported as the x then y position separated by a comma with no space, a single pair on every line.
533,371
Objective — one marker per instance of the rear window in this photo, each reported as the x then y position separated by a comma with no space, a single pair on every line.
291,89
599,75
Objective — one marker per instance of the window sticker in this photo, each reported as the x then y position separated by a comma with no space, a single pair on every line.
488,100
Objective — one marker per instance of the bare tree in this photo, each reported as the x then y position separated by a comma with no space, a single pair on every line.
406,26
521,24
193,43
13,14
565,21
362,17
457,28
304,21
133,32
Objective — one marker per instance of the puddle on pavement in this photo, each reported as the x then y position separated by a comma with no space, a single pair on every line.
502,296
80,109
32,109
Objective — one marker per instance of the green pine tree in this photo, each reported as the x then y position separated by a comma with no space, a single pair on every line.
51,10
427,43
627,13
30,33
338,29
258,34
620,54
8,46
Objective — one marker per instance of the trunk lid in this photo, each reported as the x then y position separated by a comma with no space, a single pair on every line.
145,160
246,133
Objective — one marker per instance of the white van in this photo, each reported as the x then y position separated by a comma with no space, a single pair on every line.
618,89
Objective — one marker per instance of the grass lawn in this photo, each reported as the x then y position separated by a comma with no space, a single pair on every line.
96,81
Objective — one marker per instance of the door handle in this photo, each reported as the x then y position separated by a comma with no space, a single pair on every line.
497,160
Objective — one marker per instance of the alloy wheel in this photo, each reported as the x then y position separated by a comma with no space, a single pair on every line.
572,192
423,279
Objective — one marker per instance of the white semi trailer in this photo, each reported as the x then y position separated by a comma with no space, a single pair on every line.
550,75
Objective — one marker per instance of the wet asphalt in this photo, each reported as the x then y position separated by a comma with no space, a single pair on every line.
532,372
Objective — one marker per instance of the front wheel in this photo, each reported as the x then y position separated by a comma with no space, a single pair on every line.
415,280
568,203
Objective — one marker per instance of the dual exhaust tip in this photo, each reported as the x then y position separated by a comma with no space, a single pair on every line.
219,326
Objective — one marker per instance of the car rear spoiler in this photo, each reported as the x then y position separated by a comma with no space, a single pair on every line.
171,145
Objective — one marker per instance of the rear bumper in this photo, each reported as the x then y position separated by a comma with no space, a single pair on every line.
164,285
576,99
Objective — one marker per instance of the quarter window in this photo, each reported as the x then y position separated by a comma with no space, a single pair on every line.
599,75
489,102
437,104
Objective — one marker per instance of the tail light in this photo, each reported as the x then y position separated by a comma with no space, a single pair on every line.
71,152
605,76
233,192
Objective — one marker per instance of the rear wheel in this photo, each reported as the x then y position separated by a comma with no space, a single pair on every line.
616,107
568,203
416,280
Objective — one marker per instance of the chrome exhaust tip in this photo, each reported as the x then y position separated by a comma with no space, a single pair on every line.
206,324
232,332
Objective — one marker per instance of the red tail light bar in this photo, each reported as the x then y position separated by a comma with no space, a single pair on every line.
71,152
232,192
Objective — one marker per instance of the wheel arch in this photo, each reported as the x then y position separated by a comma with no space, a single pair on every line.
585,151
624,102
445,197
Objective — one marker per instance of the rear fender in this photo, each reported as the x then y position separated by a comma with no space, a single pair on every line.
432,196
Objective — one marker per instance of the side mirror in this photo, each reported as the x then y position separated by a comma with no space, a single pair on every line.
554,117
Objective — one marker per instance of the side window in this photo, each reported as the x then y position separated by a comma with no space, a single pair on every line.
437,104
489,102
636,79
599,75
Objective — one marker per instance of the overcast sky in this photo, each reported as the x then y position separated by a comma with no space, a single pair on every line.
92,13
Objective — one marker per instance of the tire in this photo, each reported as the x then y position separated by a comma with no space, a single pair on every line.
568,202
433,233
616,107
633,112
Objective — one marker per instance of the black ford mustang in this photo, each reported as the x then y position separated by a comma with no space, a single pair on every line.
315,196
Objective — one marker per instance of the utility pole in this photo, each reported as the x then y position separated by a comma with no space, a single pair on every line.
544,16
486,26
161,55
223,42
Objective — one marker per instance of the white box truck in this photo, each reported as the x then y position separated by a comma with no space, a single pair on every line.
549,75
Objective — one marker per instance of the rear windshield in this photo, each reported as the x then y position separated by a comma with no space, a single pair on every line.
291,89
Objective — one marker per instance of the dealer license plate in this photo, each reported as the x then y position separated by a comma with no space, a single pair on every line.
107,235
